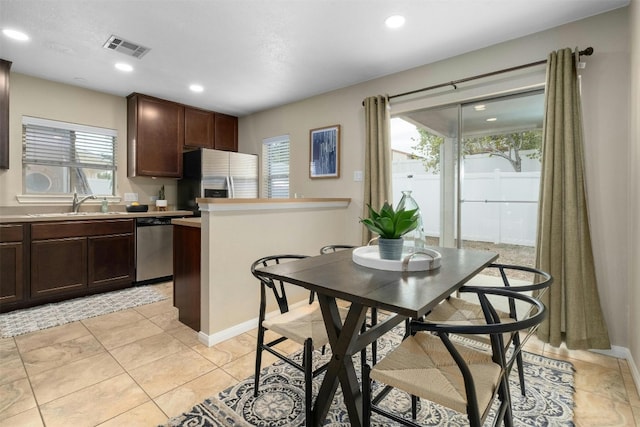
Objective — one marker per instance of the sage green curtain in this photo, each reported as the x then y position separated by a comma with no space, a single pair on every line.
564,241
377,164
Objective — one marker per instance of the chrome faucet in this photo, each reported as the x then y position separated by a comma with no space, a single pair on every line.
77,202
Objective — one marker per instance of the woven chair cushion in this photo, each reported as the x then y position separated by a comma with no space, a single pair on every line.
422,366
302,323
459,311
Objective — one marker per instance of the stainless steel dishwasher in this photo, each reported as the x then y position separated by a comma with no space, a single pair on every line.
154,249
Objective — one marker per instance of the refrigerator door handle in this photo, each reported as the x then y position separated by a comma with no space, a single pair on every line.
232,190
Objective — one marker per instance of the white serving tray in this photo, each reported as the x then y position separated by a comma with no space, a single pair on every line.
424,259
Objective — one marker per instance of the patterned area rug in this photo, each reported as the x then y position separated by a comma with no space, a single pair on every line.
20,322
549,399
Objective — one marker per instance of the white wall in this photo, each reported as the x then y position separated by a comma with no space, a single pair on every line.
606,99
35,97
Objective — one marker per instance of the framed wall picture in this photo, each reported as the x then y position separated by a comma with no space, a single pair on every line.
324,152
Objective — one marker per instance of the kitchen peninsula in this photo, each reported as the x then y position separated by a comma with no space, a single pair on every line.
236,232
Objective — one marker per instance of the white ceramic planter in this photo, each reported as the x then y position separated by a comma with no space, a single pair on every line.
161,205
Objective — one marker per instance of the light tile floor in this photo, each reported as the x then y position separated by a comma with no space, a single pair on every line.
141,366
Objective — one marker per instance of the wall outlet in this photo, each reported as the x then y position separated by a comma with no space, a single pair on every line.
130,197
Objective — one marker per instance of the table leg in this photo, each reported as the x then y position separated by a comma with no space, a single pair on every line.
342,338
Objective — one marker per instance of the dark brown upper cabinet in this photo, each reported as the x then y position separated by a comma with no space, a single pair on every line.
5,67
198,128
226,132
155,132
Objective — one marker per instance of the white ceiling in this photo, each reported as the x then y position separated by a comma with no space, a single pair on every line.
251,55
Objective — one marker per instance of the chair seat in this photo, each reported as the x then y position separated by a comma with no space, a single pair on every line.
422,366
455,309
459,311
301,323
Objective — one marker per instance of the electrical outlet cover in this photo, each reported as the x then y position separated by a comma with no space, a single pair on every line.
130,197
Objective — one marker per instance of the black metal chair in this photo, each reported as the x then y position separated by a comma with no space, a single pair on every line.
303,325
374,311
461,310
430,365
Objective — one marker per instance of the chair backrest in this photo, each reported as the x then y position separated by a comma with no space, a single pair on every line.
540,280
492,327
521,279
334,248
277,286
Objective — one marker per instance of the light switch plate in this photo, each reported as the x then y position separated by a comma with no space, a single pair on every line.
357,176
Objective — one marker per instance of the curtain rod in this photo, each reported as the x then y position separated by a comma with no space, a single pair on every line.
587,52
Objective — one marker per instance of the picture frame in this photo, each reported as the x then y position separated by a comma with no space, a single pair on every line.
324,152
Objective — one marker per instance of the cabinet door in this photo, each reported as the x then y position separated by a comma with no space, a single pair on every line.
198,128
12,262
11,272
156,137
186,275
5,66
111,260
58,266
226,132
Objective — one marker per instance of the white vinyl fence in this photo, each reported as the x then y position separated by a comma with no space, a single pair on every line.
497,207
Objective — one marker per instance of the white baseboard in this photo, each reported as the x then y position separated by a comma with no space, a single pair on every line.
624,353
241,328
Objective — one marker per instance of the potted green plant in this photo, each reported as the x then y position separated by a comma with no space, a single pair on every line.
391,225
161,202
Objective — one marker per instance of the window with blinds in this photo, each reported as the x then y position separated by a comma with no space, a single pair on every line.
275,167
60,158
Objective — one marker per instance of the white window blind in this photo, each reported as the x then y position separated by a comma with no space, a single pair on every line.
275,167
60,157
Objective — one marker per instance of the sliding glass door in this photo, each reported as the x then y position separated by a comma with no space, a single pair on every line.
474,169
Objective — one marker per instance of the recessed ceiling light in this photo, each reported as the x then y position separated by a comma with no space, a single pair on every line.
15,34
124,67
395,21
196,88
480,107
492,119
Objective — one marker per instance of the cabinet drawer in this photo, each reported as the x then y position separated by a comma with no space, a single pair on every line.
63,229
11,233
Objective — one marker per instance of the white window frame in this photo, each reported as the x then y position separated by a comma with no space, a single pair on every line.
43,157
268,175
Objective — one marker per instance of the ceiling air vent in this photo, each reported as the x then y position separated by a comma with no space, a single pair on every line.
128,48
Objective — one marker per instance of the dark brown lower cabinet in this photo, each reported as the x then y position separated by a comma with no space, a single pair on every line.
58,265
186,274
110,260
13,256
69,259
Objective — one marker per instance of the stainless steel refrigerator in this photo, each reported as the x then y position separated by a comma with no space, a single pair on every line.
216,173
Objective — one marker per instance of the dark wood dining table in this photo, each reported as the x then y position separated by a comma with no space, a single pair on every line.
405,294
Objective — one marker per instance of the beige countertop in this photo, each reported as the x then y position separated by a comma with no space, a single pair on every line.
69,216
187,222
213,205
262,201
